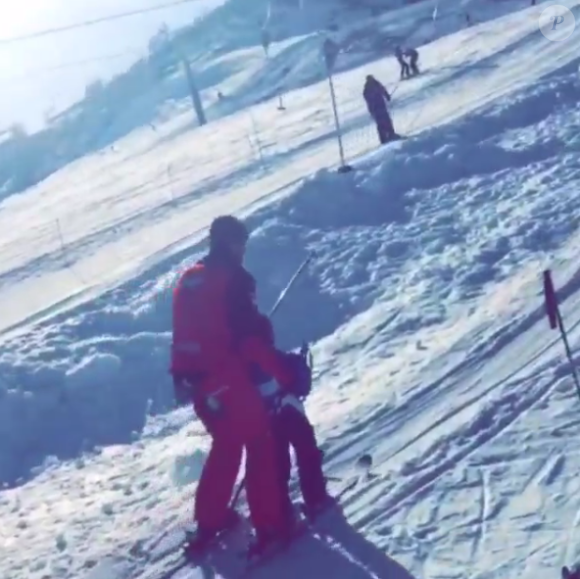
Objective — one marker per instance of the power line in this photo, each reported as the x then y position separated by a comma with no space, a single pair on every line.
93,22
91,59
72,64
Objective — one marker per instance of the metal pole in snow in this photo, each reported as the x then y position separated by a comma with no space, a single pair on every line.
281,106
330,50
257,138
194,94
556,322
336,120
564,336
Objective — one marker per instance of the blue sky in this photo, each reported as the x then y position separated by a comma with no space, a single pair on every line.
28,89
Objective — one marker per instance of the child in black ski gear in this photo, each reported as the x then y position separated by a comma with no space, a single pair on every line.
413,56
405,73
376,97
292,429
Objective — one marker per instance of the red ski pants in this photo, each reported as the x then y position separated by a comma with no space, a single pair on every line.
241,423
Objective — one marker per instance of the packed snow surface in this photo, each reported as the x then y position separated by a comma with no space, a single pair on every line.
424,302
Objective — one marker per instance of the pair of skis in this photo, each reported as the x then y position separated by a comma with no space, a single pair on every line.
362,468
247,563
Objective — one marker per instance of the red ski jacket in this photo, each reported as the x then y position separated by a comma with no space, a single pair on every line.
215,318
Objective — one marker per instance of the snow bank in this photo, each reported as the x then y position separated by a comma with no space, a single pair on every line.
421,225
439,216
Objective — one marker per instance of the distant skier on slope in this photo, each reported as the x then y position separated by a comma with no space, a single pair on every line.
405,72
217,338
413,55
376,97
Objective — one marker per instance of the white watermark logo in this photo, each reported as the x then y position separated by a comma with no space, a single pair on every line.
557,23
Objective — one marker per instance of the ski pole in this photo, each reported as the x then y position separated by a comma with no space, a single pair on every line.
296,275
275,307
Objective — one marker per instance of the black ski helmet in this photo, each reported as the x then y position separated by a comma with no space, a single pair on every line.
226,230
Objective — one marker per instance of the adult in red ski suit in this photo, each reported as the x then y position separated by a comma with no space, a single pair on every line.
218,337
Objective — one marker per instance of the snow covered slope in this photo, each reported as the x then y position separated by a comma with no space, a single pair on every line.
95,211
226,47
424,299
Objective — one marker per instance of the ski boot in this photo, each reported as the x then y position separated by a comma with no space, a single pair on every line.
314,510
199,541
267,543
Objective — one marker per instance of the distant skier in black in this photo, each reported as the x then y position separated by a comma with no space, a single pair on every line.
413,56
376,97
405,72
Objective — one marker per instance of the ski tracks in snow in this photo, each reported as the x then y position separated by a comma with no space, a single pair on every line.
461,432
479,540
446,454
448,438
